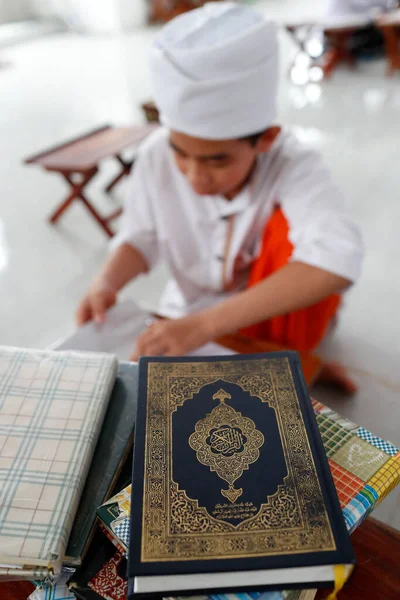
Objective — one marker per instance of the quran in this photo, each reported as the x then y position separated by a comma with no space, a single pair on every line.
232,487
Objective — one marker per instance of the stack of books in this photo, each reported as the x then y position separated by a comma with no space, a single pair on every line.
231,491
114,517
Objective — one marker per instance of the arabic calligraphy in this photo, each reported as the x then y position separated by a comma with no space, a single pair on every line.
226,442
237,512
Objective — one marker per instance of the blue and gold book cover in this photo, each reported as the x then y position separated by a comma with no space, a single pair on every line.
229,469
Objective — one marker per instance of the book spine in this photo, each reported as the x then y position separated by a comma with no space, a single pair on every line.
116,541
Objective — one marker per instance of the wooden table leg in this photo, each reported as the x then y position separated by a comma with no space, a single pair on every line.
114,215
77,188
102,222
392,49
299,40
338,52
126,169
77,194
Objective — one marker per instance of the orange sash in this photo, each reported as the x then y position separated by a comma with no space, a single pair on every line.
304,329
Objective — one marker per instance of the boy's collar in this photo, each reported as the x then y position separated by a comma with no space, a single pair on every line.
237,205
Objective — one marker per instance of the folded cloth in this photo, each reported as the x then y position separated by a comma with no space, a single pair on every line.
52,406
57,591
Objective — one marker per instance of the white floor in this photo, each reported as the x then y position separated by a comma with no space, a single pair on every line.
60,86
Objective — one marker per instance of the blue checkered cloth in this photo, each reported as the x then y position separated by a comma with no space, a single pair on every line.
376,441
122,530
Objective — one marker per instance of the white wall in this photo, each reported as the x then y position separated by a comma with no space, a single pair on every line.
133,13
96,16
15,10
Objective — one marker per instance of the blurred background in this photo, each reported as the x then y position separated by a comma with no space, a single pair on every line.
70,66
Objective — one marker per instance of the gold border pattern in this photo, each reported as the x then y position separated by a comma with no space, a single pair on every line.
174,526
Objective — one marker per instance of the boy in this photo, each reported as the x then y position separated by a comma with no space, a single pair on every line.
248,221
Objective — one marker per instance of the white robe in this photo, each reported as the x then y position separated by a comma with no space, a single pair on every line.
166,220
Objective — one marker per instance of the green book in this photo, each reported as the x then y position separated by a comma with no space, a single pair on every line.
108,513
110,461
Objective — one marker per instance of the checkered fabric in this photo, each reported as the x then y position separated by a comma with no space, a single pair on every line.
52,405
357,497
359,508
321,409
370,498
121,530
386,479
376,441
252,596
354,513
317,406
360,458
333,435
347,485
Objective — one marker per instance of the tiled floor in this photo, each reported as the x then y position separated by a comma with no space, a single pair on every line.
62,85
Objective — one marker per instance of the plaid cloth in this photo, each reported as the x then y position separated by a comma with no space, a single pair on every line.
121,528
52,405
57,591
344,444
377,442
365,468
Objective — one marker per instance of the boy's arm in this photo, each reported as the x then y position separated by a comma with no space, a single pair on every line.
124,264
135,247
295,286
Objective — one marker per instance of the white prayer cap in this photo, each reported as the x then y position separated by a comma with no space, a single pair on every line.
215,71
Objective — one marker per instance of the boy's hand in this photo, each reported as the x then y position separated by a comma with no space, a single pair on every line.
100,297
174,337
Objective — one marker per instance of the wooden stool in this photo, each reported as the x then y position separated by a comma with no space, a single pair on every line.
77,161
338,51
390,27
337,30
151,112
165,10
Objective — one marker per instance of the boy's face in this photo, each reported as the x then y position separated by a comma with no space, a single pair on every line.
218,167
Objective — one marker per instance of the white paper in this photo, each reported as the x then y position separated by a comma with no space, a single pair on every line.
212,349
123,324
118,334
